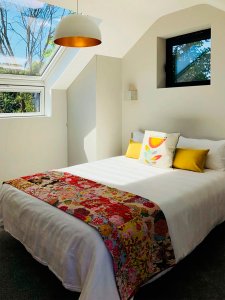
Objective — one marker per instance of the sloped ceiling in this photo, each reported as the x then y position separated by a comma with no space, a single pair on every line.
123,22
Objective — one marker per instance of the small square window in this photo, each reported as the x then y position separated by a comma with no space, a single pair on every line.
188,59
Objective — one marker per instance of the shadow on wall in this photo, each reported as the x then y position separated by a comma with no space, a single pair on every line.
189,127
89,140
197,127
81,115
82,131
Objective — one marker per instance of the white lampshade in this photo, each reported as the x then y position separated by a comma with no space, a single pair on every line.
77,31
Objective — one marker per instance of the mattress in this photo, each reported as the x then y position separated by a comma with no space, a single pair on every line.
193,204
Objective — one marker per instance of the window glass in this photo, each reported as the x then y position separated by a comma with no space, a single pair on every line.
192,61
21,101
17,102
26,36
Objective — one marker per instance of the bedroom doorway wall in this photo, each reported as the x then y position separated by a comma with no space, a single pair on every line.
94,112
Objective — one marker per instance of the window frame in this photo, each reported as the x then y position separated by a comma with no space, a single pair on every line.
179,40
25,83
25,89
37,78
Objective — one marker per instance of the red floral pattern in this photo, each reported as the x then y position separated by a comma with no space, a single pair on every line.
133,228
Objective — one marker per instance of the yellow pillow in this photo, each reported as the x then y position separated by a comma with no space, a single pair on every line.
133,150
190,159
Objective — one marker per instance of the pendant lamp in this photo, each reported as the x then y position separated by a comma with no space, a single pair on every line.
77,30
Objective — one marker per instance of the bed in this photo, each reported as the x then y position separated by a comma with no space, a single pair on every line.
193,203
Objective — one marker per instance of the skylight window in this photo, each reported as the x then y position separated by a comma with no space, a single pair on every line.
26,36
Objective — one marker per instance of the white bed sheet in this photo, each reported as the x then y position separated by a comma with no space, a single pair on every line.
193,204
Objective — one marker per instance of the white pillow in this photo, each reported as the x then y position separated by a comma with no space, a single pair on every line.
158,148
137,136
216,157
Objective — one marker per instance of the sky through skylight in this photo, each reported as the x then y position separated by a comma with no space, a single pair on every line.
26,36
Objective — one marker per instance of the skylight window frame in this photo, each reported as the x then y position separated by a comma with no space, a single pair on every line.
25,89
32,83
27,79
26,83
52,15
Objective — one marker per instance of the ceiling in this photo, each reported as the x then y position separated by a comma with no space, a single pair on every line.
123,22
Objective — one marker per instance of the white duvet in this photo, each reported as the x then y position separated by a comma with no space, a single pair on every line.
193,204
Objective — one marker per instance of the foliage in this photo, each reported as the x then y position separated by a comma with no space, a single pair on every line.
17,102
195,59
32,30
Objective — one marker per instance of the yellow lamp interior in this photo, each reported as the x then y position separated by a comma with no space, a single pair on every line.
77,41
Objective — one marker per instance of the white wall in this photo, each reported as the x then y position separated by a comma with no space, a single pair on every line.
81,97
33,144
94,111
109,107
194,111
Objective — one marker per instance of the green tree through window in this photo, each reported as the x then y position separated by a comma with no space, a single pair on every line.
192,61
19,102
26,36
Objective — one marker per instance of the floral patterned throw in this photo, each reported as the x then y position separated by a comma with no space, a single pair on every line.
133,228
